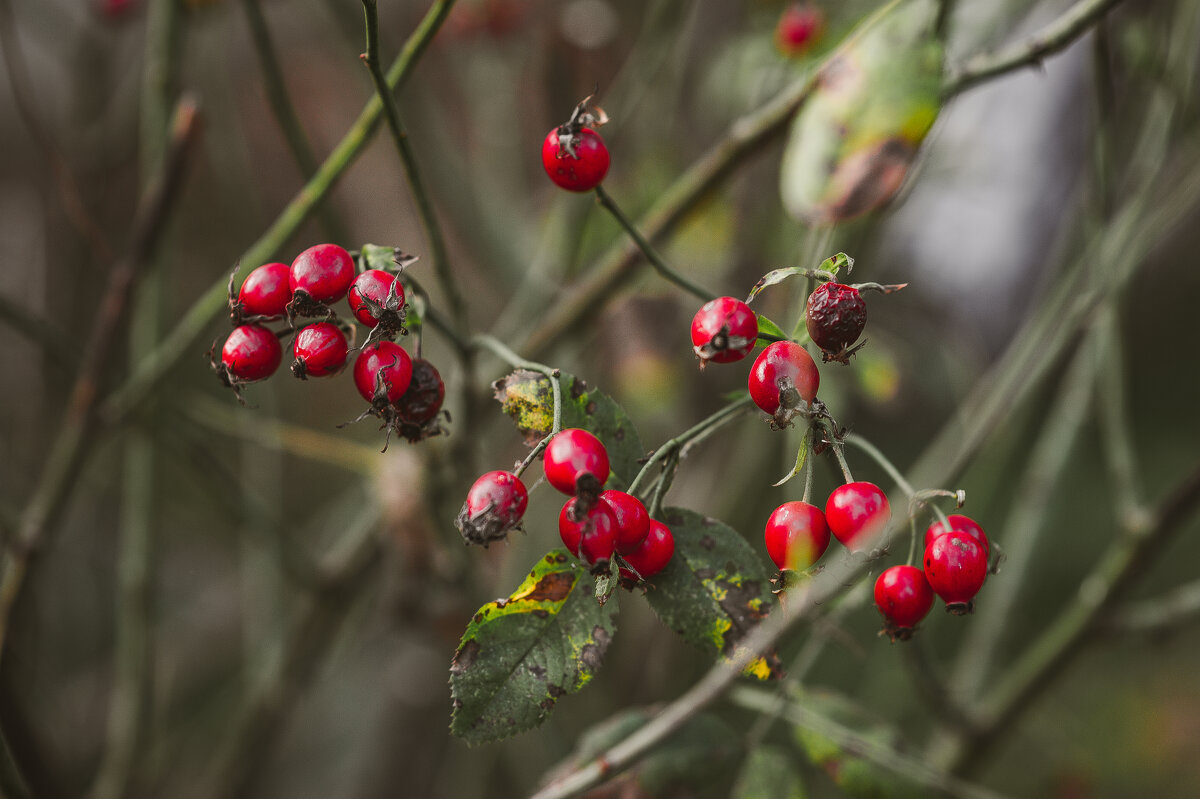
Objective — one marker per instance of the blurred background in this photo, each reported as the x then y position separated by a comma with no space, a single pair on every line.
264,679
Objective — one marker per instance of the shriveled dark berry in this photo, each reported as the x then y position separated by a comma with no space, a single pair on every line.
835,318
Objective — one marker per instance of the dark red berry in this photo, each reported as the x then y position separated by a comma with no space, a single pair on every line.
575,161
724,330
857,514
835,318
591,536
799,27
250,353
319,350
783,381
653,555
382,373
572,455
265,292
961,523
956,566
495,505
632,520
373,293
417,410
796,535
904,597
324,273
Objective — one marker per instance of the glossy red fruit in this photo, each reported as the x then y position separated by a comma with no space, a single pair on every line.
370,295
724,330
324,273
857,515
904,597
798,29
575,162
319,350
382,373
956,566
593,536
654,554
835,317
266,291
495,505
783,380
573,454
961,523
633,522
796,535
251,353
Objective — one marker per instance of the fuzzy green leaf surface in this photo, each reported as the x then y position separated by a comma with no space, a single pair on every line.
520,654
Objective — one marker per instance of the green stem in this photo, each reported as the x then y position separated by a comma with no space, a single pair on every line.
884,462
702,427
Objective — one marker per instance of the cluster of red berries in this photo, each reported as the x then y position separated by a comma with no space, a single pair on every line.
405,393
595,524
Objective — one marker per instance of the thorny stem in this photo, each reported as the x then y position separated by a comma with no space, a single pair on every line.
704,426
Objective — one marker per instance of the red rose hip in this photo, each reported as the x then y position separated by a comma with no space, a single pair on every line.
373,293
783,380
796,535
592,536
382,373
961,523
266,291
799,27
324,273
857,514
494,506
654,554
904,597
575,161
574,455
251,353
319,350
956,567
633,522
724,330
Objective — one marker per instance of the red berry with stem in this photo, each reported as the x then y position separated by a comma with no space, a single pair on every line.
250,353
724,330
798,29
653,555
633,522
796,535
373,293
835,317
591,536
319,350
904,597
783,381
574,455
382,373
575,161
495,505
857,514
265,292
323,273
956,566
961,523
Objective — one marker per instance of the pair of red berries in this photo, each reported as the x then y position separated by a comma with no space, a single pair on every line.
955,567
797,533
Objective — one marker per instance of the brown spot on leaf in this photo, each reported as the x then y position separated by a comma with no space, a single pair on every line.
707,542
464,657
578,388
547,703
590,408
554,587
541,613
556,690
538,671
478,617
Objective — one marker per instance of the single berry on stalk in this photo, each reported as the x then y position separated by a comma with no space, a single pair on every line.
904,597
265,293
857,514
835,317
382,373
251,353
798,29
575,455
796,535
319,276
495,505
961,523
723,330
652,556
575,159
633,522
590,535
319,350
783,381
956,567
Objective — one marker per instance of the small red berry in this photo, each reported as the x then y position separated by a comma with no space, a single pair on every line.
723,330
373,293
495,504
904,597
593,536
956,566
382,373
796,535
961,523
572,455
265,292
251,353
857,514
633,522
835,317
575,161
653,555
783,380
798,29
319,350
323,272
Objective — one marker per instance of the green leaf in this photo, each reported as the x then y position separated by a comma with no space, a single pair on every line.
768,774
875,99
834,263
831,265
528,398
389,259
765,325
715,588
801,457
607,582
520,654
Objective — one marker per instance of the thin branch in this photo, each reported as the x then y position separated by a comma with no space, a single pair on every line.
40,331
1051,39
703,427
1160,615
